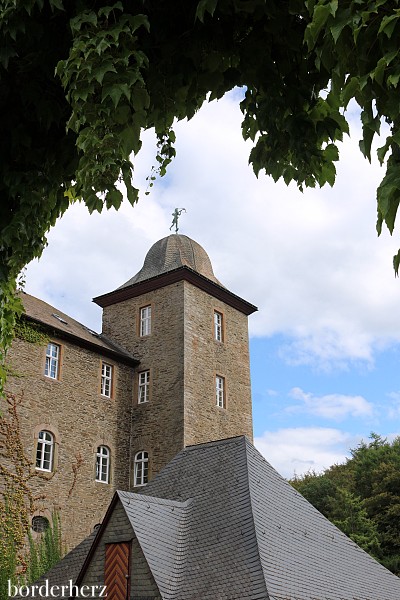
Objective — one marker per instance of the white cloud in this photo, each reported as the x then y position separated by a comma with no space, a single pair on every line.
330,406
311,262
295,451
393,409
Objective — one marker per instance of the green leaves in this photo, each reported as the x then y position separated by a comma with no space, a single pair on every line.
357,42
362,498
205,6
388,23
104,80
388,198
321,13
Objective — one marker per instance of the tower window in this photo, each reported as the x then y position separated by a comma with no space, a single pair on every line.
103,464
106,380
144,387
51,368
44,451
218,330
220,391
141,468
145,321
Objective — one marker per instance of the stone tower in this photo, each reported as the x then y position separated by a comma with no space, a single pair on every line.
191,336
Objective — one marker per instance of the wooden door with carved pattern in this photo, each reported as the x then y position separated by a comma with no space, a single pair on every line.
116,570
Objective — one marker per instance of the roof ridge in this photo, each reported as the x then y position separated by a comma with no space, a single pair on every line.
247,445
123,495
220,442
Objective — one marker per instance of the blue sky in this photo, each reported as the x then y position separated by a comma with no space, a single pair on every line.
325,342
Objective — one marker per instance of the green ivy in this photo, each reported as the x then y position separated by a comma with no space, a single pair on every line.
111,71
30,332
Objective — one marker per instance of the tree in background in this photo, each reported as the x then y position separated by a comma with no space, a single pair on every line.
80,80
362,498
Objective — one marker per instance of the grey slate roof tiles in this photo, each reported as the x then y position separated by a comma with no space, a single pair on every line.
251,535
219,523
160,527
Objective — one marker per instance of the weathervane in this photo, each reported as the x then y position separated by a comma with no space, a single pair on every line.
176,214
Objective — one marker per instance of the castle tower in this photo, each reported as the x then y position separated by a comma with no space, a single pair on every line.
191,336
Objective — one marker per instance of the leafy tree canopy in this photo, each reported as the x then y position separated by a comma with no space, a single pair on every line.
80,80
362,498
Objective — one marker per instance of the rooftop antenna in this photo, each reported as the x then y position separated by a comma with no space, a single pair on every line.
175,216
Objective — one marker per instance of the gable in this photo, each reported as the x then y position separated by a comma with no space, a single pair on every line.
116,538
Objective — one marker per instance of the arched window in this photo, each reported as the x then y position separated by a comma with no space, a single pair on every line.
103,464
44,451
141,470
39,524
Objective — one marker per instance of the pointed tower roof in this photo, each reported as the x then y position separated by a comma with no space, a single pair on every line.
220,522
171,259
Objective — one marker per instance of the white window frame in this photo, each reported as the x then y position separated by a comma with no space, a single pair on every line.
103,464
220,391
145,320
218,326
52,366
141,468
107,372
45,451
143,387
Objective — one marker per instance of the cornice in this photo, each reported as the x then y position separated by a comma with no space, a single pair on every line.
183,273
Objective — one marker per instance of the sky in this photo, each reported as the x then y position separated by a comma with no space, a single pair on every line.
325,341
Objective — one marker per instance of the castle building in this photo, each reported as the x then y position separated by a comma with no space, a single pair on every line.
152,419
219,523
101,412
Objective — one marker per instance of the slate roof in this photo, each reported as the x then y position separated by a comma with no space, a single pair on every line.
161,528
220,523
170,253
64,326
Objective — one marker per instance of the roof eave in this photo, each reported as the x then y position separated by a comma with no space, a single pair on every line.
108,352
181,273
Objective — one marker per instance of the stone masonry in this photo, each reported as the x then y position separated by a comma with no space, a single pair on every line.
80,419
182,357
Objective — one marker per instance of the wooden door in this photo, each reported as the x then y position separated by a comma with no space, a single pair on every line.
116,570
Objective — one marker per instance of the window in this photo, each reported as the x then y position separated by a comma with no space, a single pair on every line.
106,380
44,451
220,391
145,321
52,361
144,387
103,464
218,333
40,524
141,471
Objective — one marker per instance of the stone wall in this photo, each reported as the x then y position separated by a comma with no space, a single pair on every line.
205,358
81,419
183,359
157,425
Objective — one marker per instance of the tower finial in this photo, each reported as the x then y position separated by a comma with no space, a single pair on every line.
176,214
